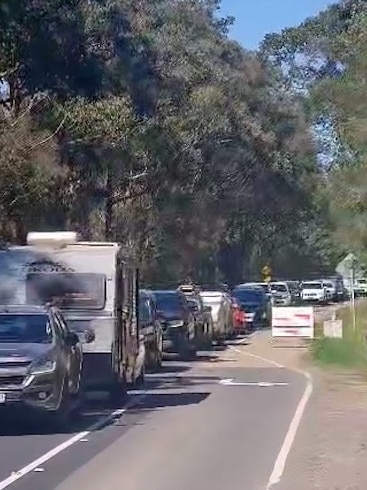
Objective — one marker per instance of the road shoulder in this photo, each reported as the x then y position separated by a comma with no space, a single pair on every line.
330,448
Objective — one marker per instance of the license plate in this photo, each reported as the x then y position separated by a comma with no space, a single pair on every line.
2,398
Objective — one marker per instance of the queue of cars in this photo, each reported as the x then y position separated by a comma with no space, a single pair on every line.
192,318
323,291
189,319
74,318
44,348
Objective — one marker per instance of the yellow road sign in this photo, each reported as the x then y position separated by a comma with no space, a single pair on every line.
266,273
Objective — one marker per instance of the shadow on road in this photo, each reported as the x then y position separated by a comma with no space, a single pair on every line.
172,368
95,411
160,401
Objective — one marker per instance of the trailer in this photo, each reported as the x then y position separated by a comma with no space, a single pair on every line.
96,288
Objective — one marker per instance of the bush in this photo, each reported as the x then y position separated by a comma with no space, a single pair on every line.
351,350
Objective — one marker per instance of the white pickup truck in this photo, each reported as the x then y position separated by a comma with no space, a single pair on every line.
360,287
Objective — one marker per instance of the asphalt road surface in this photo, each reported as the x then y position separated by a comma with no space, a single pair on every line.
195,426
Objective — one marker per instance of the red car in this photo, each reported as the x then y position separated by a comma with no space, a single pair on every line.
239,317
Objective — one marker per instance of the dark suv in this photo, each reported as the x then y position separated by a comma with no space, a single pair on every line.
151,327
40,362
178,323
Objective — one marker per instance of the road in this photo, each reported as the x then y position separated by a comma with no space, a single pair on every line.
188,429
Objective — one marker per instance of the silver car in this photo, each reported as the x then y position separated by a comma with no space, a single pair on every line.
281,295
221,310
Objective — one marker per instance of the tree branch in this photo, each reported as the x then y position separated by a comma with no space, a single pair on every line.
45,140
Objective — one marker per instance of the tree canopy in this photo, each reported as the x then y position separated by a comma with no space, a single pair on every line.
327,55
142,121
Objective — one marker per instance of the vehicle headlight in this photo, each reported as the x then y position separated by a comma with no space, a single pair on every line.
42,366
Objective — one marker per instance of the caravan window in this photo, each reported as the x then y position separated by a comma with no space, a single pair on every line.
74,290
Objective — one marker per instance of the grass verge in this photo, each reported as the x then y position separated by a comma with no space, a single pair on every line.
351,350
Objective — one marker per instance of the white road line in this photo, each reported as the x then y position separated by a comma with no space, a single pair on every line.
281,460
248,337
260,384
269,361
17,475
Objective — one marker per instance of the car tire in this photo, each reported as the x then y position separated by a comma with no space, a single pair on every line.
139,381
187,351
118,392
61,418
159,355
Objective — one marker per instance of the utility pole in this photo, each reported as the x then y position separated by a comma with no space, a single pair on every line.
352,295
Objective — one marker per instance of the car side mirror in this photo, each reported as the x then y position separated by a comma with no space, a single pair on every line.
89,336
72,339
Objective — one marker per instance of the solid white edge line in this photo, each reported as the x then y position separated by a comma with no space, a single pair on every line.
282,457
17,475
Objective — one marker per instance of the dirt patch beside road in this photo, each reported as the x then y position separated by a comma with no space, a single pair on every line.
330,449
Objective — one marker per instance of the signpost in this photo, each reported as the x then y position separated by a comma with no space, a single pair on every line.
266,273
293,321
333,328
348,268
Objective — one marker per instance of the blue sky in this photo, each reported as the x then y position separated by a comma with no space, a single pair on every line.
255,18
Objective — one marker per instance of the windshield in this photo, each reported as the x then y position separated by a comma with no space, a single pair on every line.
168,301
212,300
144,310
280,288
194,304
312,285
82,291
249,295
25,329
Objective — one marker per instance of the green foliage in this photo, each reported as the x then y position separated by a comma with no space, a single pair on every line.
327,55
160,132
349,351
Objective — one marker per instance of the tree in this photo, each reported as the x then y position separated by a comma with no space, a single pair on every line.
164,134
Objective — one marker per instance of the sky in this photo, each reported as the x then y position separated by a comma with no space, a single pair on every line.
255,18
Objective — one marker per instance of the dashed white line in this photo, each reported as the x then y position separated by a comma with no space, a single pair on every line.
17,475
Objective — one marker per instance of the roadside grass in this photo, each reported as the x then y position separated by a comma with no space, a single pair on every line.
351,350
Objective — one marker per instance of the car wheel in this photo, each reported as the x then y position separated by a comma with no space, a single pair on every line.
141,378
187,351
61,418
118,392
159,354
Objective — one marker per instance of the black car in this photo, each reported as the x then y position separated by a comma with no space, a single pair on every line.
151,327
40,362
254,302
178,323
